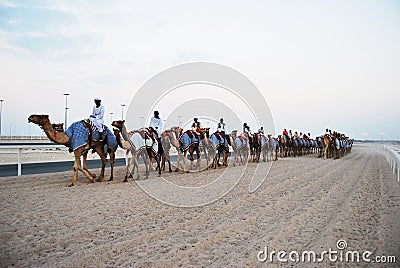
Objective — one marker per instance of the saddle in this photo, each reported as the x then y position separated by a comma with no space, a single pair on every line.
191,133
218,135
146,133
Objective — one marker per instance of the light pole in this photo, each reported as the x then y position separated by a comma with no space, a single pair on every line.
382,133
111,116
66,109
365,134
122,105
1,109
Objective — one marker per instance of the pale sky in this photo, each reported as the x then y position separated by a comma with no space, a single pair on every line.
319,64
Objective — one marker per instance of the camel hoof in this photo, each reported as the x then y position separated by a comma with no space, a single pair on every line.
111,179
126,180
130,176
70,185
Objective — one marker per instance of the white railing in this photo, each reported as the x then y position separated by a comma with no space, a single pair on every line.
393,157
17,149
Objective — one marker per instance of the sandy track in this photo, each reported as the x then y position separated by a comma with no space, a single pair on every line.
305,204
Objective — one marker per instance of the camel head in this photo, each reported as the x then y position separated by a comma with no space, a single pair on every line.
118,124
233,133
205,132
39,119
176,129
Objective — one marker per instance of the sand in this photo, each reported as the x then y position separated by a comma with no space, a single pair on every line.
305,204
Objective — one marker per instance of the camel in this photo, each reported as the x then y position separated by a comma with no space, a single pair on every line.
273,147
255,147
284,144
215,144
125,142
194,147
263,141
173,135
240,146
325,145
60,137
166,146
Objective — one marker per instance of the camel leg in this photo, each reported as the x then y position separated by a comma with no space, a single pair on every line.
84,165
184,161
169,165
78,167
135,156
162,161
198,158
112,162
158,163
178,161
128,169
99,150
136,164
146,163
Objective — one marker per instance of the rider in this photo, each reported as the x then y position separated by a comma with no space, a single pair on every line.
196,126
285,133
97,116
261,130
246,129
221,126
156,125
296,136
327,132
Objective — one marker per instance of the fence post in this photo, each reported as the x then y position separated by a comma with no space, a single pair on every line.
398,173
19,162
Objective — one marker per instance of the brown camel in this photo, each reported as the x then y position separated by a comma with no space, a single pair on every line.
60,137
173,135
148,154
325,145
243,150
124,144
191,149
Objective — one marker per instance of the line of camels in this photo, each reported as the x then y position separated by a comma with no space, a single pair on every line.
139,144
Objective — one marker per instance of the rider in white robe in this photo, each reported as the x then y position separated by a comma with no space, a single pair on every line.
157,124
97,116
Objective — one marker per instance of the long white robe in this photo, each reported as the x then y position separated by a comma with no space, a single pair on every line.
97,117
157,125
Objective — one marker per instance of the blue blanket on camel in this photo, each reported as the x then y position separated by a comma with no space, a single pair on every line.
188,138
219,139
79,136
